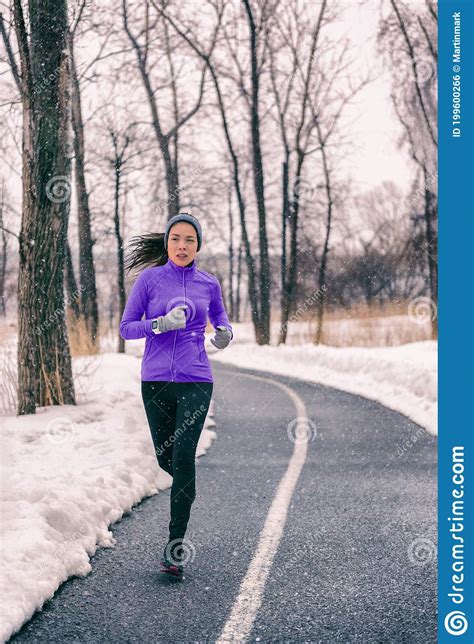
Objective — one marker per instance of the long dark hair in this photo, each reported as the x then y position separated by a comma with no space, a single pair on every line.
146,250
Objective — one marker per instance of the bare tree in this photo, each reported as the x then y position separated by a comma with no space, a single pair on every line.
408,37
121,155
313,81
258,38
87,278
3,251
382,236
224,112
167,137
296,124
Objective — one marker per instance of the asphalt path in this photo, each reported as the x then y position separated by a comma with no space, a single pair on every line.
355,560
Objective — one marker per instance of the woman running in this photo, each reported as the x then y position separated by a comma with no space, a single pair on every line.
176,377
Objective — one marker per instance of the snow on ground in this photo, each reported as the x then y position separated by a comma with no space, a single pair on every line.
403,378
68,473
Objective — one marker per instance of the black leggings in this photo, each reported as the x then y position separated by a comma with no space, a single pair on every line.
176,412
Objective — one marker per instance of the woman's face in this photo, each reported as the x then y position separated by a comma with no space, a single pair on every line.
182,243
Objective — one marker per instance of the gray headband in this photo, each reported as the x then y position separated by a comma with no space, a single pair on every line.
184,216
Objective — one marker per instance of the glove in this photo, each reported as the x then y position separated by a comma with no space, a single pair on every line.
174,319
222,337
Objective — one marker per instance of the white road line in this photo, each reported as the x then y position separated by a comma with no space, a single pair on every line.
249,599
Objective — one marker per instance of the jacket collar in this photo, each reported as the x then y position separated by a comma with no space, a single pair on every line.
180,270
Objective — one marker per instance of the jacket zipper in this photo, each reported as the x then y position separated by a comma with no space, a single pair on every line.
172,356
176,334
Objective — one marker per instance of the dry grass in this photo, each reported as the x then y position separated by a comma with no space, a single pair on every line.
363,326
8,358
362,311
369,333
80,346
80,342
8,384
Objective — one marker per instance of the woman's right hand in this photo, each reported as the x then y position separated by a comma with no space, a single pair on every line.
174,319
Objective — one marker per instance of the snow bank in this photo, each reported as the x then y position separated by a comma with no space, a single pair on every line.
403,378
70,472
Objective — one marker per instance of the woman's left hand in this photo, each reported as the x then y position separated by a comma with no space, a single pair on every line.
222,337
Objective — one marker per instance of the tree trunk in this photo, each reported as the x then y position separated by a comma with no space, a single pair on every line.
87,279
118,236
44,361
231,254
293,212
284,219
3,259
239,279
325,253
263,332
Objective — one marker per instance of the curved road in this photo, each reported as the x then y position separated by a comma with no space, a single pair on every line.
356,561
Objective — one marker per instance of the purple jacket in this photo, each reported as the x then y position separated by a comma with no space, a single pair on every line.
177,355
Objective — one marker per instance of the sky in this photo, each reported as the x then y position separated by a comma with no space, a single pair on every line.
376,157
